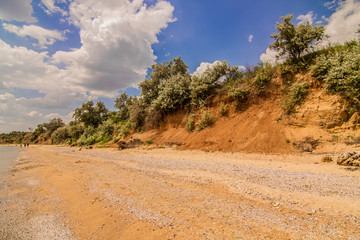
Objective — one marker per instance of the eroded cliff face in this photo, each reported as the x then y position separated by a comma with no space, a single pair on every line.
321,110
321,124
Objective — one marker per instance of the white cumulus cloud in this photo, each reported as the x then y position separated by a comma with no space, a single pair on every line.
18,10
270,57
50,8
116,38
116,41
309,17
331,4
250,38
42,35
205,66
343,24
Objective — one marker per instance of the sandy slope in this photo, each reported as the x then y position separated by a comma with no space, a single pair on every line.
63,193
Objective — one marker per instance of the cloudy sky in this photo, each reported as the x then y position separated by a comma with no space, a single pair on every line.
56,54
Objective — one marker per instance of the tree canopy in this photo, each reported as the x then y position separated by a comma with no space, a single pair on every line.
293,41
161,72
122,106
90,115
47,128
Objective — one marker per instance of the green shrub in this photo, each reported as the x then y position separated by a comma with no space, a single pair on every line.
75,131
46,129
123,111
296,95
106,129
190,123
322,67
238,94
124,128
149,142
89,137
350,137
339,69
249,73
173,93
223,109
335,138
263,76
86,141
137,111
203,86
206,120
60,135
236,105
105,140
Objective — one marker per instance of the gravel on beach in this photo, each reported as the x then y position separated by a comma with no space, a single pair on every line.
62,193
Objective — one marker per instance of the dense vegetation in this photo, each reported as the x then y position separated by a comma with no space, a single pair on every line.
170,88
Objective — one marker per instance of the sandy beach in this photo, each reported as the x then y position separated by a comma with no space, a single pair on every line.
56,192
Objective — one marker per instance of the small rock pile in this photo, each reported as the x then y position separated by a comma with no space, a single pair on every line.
133,143
308,144
349,159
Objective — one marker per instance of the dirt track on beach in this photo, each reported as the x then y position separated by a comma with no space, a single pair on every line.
63,193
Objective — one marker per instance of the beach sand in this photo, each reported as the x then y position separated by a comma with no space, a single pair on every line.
56,192
8,155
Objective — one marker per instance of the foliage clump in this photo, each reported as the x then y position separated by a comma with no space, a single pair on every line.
91,115
206,120
238,94
45,130
263,76
60,135
223,109
204,85
296,95
190,123
124,128
88,137
339,70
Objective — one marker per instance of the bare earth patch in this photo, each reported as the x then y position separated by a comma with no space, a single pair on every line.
62,193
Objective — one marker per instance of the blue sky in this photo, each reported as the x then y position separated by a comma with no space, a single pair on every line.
57,54
207,31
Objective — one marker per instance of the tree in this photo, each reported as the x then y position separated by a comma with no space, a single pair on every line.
37,131
47,128
61,135
173,93
121,105
204,85
90,115
137,112
156,94
75,130
161,72
52,126
293,41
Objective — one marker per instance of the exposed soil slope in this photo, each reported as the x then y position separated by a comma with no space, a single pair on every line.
262,127
253,130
